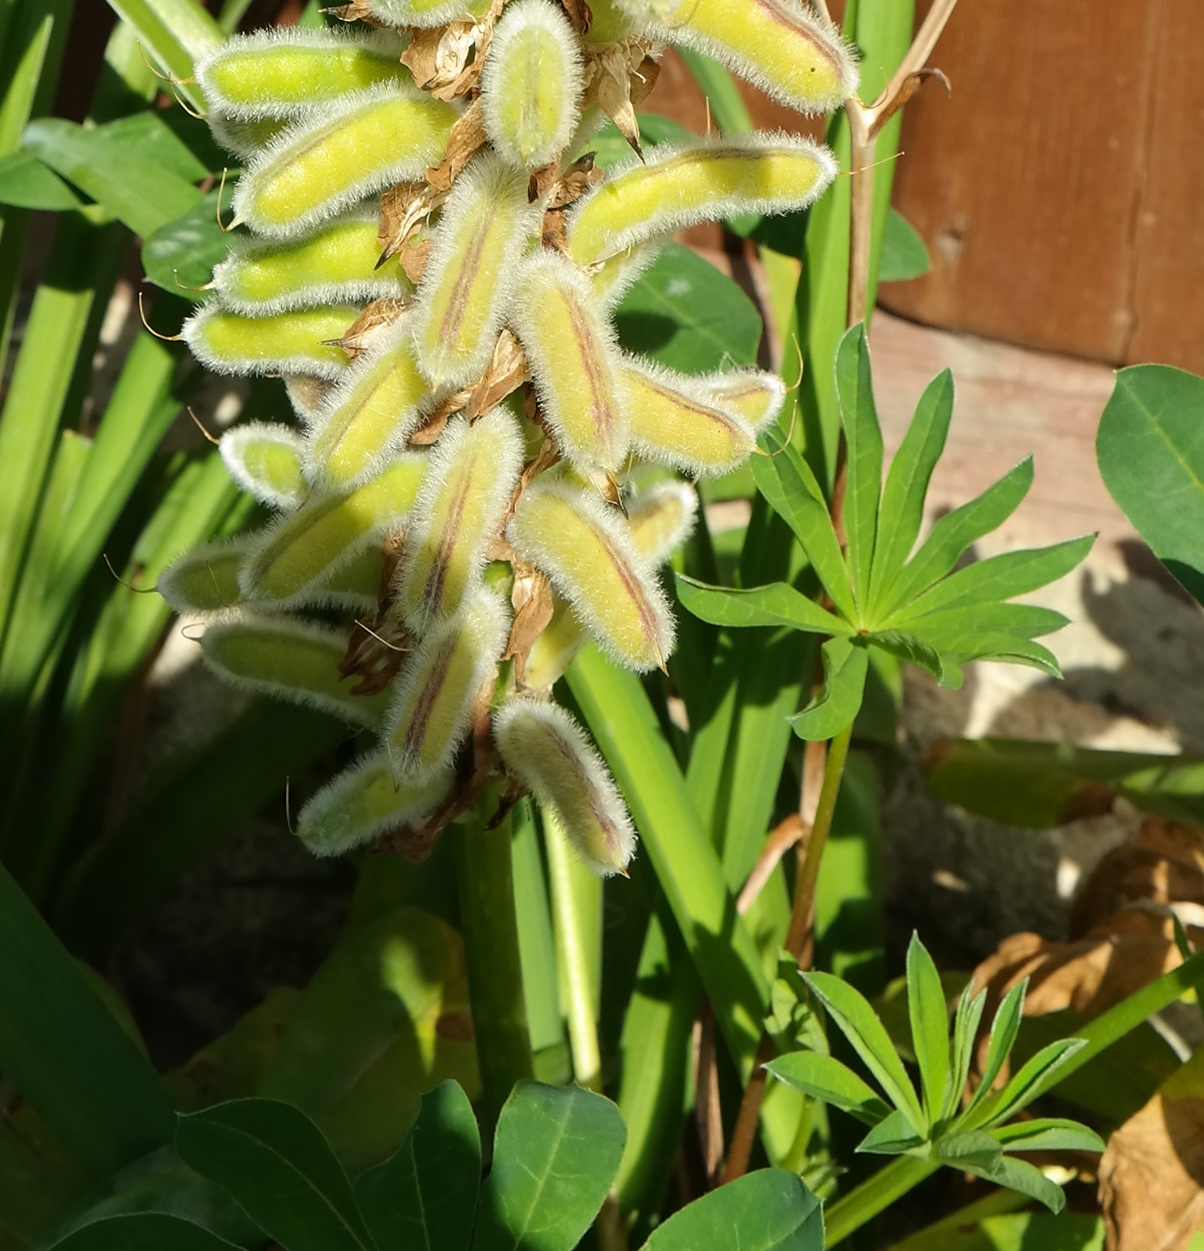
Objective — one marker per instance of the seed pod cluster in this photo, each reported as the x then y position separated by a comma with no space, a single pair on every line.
428,257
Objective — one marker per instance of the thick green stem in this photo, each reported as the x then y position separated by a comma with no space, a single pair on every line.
495,975
874,1196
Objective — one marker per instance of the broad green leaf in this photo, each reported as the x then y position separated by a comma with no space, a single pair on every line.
25,182
827,1079
894,1135
142,1231
965,1031
964,1150
1022,1176
863,483
555,1155
904,255
775,605
181,254
1048,1133
1150,448
833,709
953,535
769,1210
915,650
929,1016
1034,1075
851,1012
906,487
683,312
1004,1029
273,1159
424,1197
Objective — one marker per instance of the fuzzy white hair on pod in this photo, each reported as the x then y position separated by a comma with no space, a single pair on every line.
756,394
545,748
205,579
364,802
661,518
264,459
304,341
531,83
612,279
424,14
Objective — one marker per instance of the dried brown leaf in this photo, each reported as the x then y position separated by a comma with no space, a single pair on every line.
617,77
447,60
579,14
507,371
376,316
531,598
575,182
403,209
466,139
356,11
415,253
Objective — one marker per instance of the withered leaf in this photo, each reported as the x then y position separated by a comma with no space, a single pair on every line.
356,11
617,77
414,255
575,182
403,209
466,139
507,370
531,598
360,333
579,14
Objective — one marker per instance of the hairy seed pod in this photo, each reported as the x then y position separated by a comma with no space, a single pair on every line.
781,46
337,264
431,712
674,421
457,515
363,803
531,83
301,553
289,659
545,749
304,341
424,14
572,354
246,138
585,548
755,395
206,579
680,185
265,460
283,71
352,147
354,585
469,276
371,412
612,279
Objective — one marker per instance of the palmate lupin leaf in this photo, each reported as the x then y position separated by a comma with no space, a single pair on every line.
918,607
933,1125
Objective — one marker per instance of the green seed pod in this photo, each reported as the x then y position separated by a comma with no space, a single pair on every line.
660,520
755,395
586,549
300,554
363,803
284,71
289,659
431,713
372,411
469,276
301,342
680,185
424,13
781,46
572,354
354,586
531,83
352,147
457,515
335,265
612,279
265,460
205,579
545,749
674,421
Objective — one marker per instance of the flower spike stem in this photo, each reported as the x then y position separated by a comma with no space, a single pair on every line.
495,977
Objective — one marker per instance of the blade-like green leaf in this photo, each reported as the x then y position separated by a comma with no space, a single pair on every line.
142,1231
425,1195
1004,1029
1151,457
953,534
907,480
1022,1176
1036,1074
851,1012
176,32
1007,648
833,709
555,1155
894,1135
954,629
965,1030
863,484
25,182
273,1159
775,605
1048,1133
929,1016
904,255
962,1150
769,1210
827,1079
914,650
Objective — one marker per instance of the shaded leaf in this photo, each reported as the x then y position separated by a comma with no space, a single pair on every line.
825,1078
833,709
1004,1029
904,255
929,1016
25,182
775,605
181,254
1021,1089
142,1231
971,1148
916,651
863,482
1021,1176
892,1136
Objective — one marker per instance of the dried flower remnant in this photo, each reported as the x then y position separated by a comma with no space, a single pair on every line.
432,262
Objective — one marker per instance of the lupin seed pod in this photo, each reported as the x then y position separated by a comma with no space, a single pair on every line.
304,341
364,802
680,185
431,712
206,579
470,273
265,460
674,421
781,46
547,751
457,515
424,14
351,147
372,411
612,279
531,83
573,357
337,264
289,659
584,547
301,553
755,395
281,72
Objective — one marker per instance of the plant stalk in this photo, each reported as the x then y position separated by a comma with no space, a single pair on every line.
846,1215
